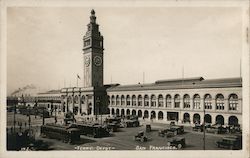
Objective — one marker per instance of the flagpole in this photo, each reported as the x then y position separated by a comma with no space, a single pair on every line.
76,81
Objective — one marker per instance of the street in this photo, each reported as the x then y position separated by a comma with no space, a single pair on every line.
123,138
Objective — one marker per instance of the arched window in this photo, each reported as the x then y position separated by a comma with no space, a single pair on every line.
69,99
133,100
186,101
113,100
168,101
123,100
117,100
153,101
220,102
139,100
197,101
208,101
128,100
76,100
233,102
83,99
177,101
160,101
160,115
146,100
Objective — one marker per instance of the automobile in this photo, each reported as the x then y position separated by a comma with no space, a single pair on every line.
234,129
140,136
165,133
112,123
148,128
130,123
217,129
131,117
230,142
198,128
172,123
176,129
177,142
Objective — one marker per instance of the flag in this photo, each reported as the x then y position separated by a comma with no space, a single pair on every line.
78,76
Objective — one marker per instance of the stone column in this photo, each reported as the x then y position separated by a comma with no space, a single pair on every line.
180,117
73,102
239,106
172,103
213,105
181,103
164,102
225,120
191,103
201,117
202,104
79,104
156,115
191,118
150,102
226,106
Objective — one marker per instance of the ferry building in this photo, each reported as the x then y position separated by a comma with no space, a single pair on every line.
186,100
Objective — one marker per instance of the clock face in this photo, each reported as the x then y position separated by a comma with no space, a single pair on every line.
97,60
87,60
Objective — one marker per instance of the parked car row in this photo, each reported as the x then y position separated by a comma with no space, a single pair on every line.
217,128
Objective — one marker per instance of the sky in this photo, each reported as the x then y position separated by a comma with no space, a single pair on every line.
44,44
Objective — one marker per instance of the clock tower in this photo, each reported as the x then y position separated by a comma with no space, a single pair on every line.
93,54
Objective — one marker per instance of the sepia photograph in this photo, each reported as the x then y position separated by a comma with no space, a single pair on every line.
132,78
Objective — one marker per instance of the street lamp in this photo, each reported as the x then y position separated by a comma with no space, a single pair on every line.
43,116
15,114
55,114
204,133
97,108
29,116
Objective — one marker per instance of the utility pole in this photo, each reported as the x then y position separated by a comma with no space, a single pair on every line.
204,132
100,106
55,114
43,116
29,117
14,117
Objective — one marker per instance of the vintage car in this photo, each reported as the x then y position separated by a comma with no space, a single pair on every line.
234,129
112,123
130,123
165,133
172,123
177,142
176,129
140,136
217,129
230,142
148,128
198,128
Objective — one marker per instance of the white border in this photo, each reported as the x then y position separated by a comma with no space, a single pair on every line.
139,3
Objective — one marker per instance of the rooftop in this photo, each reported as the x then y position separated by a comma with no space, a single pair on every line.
185,83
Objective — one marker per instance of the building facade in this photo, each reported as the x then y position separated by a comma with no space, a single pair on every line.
51,100
181,100
186,100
